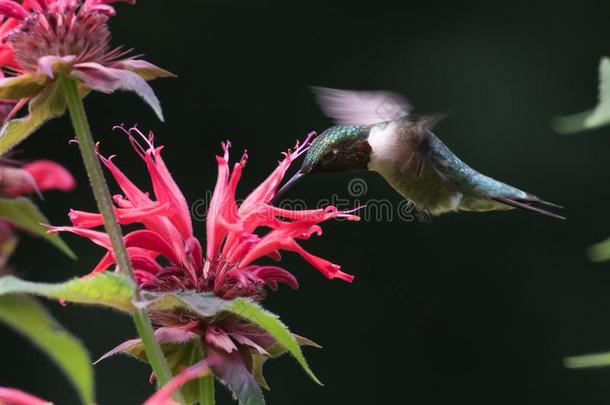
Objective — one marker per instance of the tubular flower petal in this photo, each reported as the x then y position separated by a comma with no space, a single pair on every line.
229,268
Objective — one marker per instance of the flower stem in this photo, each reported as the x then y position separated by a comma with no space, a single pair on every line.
104,203
206,390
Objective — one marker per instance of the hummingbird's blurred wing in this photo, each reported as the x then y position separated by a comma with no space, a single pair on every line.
350,107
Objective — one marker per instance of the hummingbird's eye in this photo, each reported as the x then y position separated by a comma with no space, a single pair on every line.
329,156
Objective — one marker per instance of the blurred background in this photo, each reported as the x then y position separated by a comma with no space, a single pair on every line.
469,308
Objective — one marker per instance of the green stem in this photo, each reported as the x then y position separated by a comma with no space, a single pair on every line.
206,390
104,203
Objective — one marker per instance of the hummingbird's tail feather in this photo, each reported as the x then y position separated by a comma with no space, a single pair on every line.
526,204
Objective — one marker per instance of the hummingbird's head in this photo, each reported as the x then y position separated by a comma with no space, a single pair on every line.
337,149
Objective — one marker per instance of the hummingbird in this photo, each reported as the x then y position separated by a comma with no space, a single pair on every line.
376,131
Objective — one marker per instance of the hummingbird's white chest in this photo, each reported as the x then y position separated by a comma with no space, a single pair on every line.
387,149
391,156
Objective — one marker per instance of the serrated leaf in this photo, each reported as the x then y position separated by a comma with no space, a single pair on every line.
272,325
595,118
208,306
105,289
32,320
49,103
258,361
588,360
25,214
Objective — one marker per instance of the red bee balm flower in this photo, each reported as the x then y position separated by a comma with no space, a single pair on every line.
233,245
43,39
167,258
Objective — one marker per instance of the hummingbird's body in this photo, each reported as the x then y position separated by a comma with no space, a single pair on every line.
407,154
439,181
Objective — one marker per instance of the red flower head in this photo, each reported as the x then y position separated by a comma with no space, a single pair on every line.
233,244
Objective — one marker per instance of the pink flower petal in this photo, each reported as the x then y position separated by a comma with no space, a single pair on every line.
218,338
150,240
12,9
128,216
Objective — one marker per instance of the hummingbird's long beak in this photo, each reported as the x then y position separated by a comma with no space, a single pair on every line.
293,180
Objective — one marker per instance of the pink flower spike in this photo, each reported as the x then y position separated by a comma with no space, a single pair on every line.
12,396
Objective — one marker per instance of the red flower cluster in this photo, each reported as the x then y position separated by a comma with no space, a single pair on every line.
233,244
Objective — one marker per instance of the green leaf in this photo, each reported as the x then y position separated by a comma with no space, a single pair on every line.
208,306
105,289
50,103
588,361
595,118
272,325
32,320
258,361
23,213
600,252
22,86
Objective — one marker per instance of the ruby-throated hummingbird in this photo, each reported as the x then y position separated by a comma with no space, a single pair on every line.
376,131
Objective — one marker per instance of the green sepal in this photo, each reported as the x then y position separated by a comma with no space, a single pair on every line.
105,289
23,213
49,103
207,306
31,319
595,118
22,86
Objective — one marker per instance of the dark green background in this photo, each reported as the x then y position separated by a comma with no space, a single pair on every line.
469,309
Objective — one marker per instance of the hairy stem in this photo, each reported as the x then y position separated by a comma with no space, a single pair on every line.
104,203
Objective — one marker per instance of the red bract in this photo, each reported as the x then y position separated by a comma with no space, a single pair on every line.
233,242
